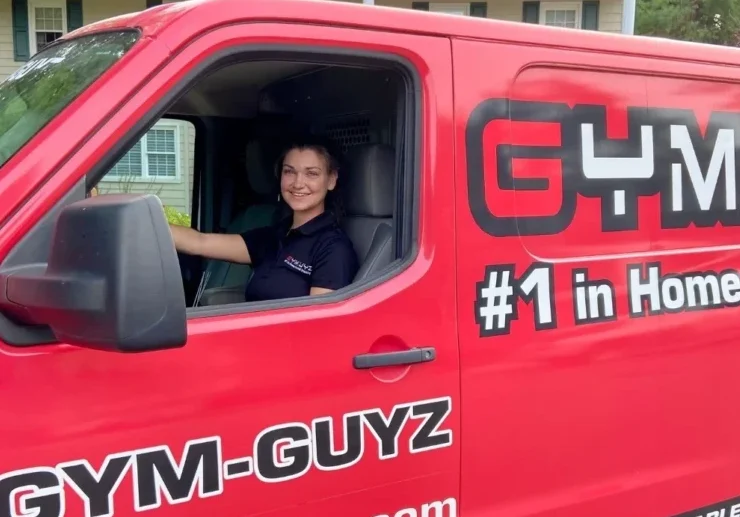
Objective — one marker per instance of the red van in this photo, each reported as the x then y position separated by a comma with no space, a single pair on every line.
544,320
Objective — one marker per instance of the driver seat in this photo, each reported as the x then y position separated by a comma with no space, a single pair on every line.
226,280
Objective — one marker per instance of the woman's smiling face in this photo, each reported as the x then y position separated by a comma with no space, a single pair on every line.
305,180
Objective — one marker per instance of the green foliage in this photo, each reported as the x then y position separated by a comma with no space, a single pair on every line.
174,216
704,21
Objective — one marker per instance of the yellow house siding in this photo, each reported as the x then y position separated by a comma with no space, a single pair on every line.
170,194
610,16
7,63
508,10
610,11
95,11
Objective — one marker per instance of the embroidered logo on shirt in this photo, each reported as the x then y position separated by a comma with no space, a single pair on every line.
298,265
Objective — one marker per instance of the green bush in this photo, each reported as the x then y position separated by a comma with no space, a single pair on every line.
174,216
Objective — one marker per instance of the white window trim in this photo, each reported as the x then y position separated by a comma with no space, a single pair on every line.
439,7
145,177
32,5
560,6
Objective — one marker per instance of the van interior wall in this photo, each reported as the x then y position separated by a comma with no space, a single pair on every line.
362,102
315,96
267,100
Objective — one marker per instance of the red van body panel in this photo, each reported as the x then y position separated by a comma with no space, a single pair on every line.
556,168
580,401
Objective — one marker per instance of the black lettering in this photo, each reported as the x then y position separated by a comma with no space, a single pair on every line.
427,436
726,508
237,468
387,432
324,455
503,109
46,497
155,471
96,490
282,452
665,153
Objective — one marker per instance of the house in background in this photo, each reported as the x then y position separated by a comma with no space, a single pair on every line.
162,162
599,15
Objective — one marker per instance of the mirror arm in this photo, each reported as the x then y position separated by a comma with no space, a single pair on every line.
35,296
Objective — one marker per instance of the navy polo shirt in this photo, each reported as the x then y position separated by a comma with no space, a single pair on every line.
288,262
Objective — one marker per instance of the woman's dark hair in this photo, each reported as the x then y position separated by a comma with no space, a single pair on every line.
331,154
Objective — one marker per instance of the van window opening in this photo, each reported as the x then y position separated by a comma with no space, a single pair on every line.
37,92
212,161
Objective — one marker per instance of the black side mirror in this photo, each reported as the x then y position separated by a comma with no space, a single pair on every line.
112,281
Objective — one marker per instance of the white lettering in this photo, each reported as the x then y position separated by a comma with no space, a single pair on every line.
700,285
704,187
612,167
676,293
730,288
436,509
638,290
446,508
672,291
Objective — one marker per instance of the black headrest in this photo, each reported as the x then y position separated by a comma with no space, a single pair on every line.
368,182
262,151
260,164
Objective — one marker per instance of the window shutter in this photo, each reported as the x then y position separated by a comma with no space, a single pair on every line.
420,6
531,12
152,3
74,14
479,9
590,15
21,42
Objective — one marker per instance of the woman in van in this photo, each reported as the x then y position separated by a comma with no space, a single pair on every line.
304,254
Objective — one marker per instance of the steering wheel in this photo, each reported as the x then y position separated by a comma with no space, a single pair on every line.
190,270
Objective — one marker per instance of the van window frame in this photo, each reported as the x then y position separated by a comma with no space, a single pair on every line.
407,146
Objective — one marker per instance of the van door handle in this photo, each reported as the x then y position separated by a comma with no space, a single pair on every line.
413,356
